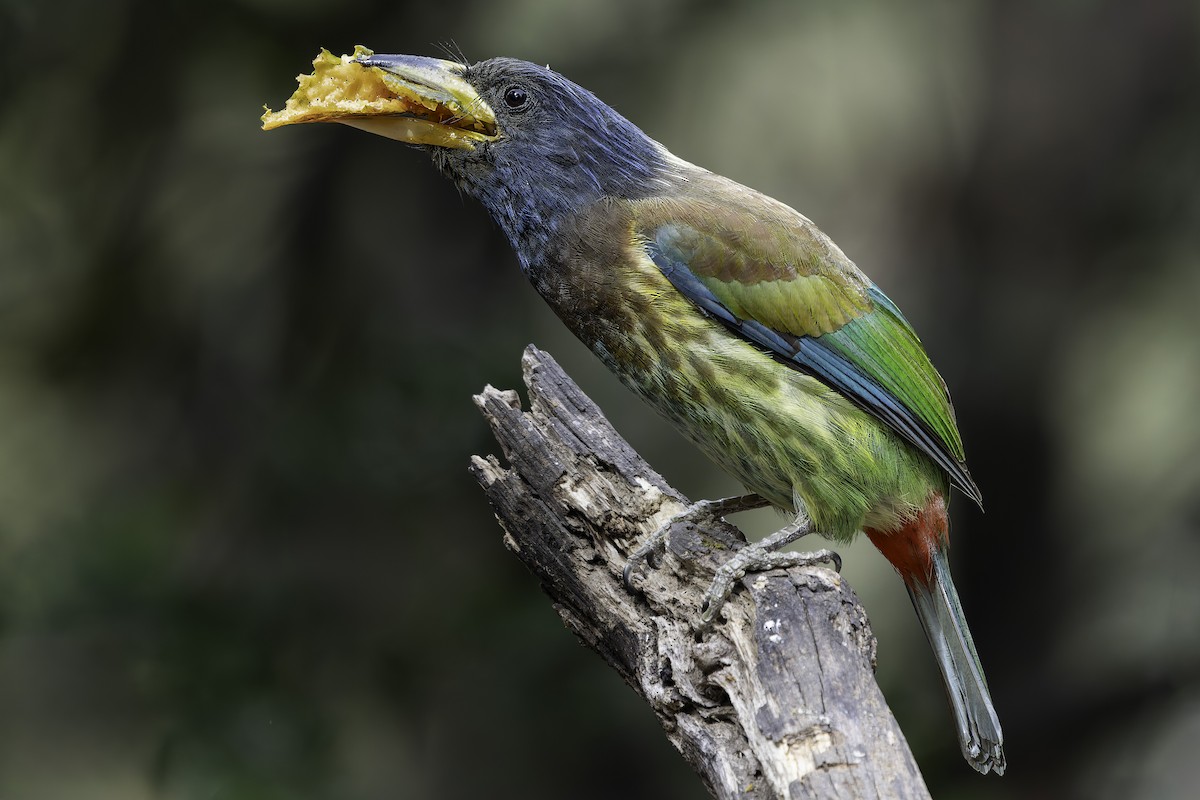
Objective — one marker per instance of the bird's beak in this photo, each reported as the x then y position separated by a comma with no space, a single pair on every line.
409,98
450,113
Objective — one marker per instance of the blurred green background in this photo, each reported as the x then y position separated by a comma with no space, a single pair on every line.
240,552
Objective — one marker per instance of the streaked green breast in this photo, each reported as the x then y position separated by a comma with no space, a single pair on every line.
780,432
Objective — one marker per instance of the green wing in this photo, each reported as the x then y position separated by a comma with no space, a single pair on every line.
772,277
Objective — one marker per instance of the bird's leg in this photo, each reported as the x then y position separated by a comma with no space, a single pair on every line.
763,555
702,510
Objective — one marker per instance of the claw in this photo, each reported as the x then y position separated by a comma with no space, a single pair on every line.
760,556
702,510
756,559
627,573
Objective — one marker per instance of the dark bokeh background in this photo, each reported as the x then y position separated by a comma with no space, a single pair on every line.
240,553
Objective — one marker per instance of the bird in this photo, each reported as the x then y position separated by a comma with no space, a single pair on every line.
732,315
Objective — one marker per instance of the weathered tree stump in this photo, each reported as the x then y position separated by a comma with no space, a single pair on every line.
775,700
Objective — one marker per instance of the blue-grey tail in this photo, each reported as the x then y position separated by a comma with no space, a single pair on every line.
945,626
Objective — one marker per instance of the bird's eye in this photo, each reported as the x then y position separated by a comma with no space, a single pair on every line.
516,98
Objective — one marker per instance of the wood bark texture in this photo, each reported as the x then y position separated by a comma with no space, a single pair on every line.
777,699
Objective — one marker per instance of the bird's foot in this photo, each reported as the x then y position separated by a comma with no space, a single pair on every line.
761,556
696,512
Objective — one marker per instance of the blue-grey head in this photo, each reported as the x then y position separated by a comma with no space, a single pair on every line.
531,145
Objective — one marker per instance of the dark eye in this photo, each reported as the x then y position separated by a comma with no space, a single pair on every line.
516,98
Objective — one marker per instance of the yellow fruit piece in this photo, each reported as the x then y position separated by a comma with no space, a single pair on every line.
340,88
